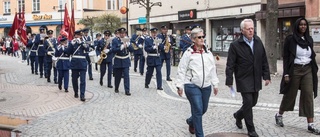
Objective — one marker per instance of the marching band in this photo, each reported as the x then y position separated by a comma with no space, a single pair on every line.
111,55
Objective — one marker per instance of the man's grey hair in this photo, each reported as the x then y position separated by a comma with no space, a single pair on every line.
245,20
195,31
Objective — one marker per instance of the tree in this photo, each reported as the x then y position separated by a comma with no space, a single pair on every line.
88,23
271,34
107,22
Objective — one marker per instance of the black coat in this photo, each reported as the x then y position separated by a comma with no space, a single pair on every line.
249,69
289,54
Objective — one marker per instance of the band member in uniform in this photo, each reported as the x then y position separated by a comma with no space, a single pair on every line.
121,61
96,44
137,41
78,48
39,39
50,44
153,59
186,41
88,41
106,63
165,49
33,55
63,64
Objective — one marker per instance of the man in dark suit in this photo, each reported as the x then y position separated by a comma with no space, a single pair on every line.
247,60
165,47
88,41
39,41
186,41
106,63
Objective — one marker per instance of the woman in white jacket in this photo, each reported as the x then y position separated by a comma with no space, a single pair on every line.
197,76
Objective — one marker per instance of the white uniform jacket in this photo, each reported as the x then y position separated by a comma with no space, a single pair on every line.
196,68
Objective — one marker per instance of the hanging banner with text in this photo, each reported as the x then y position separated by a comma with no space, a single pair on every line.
187,14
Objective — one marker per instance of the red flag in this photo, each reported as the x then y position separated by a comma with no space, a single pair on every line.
66,21
72,24
22,31
14,27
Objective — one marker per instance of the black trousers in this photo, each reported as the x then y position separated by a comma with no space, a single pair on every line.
41,64
249,100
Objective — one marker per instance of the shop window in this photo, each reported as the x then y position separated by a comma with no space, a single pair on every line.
6,8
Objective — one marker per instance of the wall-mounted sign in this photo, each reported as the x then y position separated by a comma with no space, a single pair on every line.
142,20
187,14
315,33
42,17
3,19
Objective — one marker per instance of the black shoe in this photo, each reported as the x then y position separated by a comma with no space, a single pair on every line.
191,128
41,76
117,91
313,130
253,134
101,83
146,86
135,70
36,73
83,99
45,76
128,93
76,95
32,72
60,87
141,74
159,88
48,80
90,78
279,120
169,79
238,121
66,90
55,82
110,86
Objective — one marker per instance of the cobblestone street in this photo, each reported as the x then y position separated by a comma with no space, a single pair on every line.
148,112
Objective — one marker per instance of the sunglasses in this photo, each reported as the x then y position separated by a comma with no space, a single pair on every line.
199,37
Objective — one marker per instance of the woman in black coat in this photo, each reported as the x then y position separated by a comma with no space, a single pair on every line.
299,73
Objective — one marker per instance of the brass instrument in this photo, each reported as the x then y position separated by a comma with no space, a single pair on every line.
50,45
156,42
103,55
125,40
167,44
134,45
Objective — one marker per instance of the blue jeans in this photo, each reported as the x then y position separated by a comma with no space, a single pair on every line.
199,100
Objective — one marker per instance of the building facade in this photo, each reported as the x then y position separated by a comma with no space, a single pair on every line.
50,13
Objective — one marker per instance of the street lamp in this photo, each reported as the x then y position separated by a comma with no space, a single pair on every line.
148,5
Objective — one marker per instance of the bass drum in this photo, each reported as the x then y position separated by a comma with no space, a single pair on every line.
93,57
54,62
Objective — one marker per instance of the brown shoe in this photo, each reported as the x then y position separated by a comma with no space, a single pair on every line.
192,130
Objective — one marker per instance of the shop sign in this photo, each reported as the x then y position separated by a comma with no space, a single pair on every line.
42,17
315,33
3,19
187,14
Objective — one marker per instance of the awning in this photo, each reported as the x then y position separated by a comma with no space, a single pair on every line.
232,16
34,24
193,20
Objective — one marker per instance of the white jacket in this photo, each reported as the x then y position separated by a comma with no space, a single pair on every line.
198,69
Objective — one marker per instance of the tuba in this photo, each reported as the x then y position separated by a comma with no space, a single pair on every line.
167,44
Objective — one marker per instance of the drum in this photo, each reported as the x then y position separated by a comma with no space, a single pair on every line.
93,56
54,61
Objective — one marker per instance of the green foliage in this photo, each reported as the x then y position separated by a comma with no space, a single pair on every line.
101,23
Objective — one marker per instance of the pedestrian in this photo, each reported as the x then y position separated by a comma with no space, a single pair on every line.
15,49
247,60
77,48
197,77
63,64
121,48
299,73
153,59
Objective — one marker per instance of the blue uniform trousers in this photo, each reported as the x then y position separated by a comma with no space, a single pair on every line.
76,73
40,60
141,59
103,68
34,64
199,100
118,73
168,66
149,73
89,68
49,65
63,74
45,66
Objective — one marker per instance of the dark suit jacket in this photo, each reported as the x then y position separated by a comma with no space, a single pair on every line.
248,68
289,54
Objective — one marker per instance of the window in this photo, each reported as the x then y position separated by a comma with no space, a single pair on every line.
36,5
114,4
61,4
120,4
21,5
109,5
6,7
